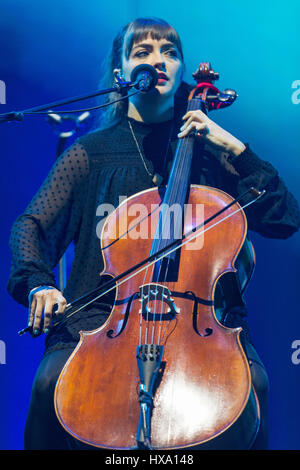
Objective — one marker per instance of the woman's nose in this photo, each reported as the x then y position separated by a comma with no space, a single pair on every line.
158,62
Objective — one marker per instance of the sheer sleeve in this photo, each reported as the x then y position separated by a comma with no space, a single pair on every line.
49,223
276,214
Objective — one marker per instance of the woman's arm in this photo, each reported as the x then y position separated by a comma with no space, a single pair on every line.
276,214
42,233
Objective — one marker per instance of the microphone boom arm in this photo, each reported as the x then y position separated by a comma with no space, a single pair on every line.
119,87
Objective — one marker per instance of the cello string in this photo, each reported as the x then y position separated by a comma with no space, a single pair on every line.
182,152
151,251
157,244
150,263
144,296
178,223
157,316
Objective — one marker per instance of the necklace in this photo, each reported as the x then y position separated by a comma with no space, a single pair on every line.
156,178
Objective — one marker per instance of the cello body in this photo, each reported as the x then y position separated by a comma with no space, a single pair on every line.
202,392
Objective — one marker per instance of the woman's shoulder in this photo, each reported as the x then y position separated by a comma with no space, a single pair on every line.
104,140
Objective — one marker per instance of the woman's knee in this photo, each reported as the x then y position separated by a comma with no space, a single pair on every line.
260,380
47,374
259,376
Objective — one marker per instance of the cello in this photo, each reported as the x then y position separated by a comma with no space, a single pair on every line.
163,372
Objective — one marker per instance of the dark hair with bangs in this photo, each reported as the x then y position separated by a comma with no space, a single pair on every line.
156,28
130,34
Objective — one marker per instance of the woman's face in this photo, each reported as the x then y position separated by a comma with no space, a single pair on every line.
164,56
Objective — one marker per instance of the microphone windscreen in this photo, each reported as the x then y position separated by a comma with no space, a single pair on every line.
145,72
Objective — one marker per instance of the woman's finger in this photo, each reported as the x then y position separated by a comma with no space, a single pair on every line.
187,123
62,303
38,315
31,311
194,127
196,114
48,313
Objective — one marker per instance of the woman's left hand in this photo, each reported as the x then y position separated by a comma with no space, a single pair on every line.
197,123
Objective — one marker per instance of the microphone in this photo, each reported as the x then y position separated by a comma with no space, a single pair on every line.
144,77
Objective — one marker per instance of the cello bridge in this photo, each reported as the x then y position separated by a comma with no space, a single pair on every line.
155,294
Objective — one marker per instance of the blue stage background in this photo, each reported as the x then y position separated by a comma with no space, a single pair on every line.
52,50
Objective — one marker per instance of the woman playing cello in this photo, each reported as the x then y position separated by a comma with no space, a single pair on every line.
130,152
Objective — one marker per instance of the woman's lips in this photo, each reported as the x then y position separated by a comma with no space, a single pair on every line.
162,78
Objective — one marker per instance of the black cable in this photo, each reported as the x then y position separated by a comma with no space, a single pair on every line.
82,110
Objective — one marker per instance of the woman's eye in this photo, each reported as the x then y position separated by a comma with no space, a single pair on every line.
144,53
171,52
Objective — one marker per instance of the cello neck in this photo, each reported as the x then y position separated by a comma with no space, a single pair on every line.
171,216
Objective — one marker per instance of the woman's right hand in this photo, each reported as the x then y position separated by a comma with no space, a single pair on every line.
41,307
